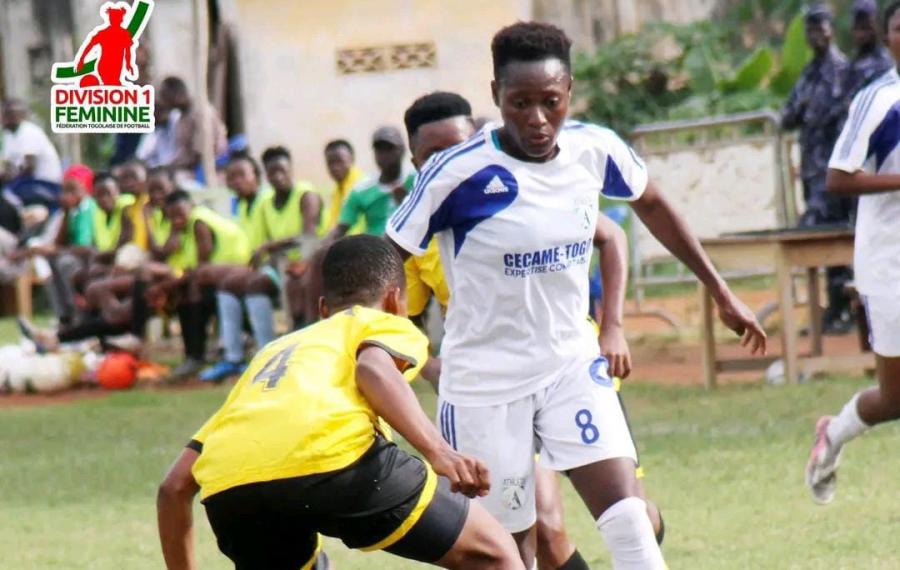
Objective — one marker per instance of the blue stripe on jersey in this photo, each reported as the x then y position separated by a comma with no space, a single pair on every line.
427,168
885,138
614,184
443,416
453,425
427,176
472,202
572,125
866,98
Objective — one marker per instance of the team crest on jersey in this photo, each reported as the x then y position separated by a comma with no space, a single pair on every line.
599,372
514,492
583,208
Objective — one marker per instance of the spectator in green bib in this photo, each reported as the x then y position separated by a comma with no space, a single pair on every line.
375,200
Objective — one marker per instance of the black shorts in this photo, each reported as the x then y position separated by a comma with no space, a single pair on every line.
275,524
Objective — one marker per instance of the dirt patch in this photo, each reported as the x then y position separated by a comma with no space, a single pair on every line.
663,356
87,392
659,355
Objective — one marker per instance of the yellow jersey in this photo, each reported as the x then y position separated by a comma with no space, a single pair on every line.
296,410
135,213
249,218
336,202
424,276
230,245
108,227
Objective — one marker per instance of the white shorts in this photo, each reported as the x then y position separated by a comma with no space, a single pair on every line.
577,420
884,324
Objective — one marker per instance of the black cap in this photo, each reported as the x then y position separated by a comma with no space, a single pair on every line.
818,12
865,7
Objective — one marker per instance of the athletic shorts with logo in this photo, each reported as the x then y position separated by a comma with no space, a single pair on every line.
387,500
575,421
883,312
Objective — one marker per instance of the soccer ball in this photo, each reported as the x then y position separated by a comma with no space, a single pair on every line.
130,257
37,373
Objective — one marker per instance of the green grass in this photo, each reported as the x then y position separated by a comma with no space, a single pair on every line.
78,481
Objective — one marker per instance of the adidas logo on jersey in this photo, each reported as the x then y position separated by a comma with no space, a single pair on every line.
496,186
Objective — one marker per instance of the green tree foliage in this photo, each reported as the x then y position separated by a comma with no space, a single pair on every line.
745,59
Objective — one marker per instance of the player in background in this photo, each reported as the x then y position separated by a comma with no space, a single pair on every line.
515,210
297,448
866,163
438,121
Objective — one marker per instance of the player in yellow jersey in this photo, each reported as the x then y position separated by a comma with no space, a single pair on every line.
438,121
297,448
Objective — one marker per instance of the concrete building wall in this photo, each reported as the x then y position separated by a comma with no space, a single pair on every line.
593,22
294,95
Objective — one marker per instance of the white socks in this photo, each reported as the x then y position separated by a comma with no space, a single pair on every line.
846,425
628,534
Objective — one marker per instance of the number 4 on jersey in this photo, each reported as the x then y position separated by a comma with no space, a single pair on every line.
274,369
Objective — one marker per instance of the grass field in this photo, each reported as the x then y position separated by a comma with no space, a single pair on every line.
78,481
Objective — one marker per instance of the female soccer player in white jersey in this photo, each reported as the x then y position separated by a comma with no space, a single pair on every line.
866,163
514,209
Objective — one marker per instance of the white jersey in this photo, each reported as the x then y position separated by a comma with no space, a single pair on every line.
30,140
516,241
869,142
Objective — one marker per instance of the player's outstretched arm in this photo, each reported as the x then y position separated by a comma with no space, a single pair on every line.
612,242
859,183
391,397
671,230
174,512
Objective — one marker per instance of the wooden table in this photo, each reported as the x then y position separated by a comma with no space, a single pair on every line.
782,250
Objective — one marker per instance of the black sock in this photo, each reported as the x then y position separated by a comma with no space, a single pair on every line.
91,326
575,562
189,316
662,531
140,310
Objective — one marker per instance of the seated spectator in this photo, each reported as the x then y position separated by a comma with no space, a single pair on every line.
91,232
29,164
202,238
291,210
132,179
375,200
339,158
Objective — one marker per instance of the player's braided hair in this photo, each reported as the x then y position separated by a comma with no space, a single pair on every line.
530,41
433,107
889,12
359,269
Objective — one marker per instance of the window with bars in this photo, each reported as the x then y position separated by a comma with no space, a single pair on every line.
373,59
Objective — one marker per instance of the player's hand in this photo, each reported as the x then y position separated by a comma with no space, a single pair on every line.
467,475
614,348
738,317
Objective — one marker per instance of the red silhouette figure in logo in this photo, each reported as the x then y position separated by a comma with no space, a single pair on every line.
115,49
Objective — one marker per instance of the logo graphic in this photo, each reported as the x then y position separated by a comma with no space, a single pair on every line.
514,493
496,186
96,93
599,372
